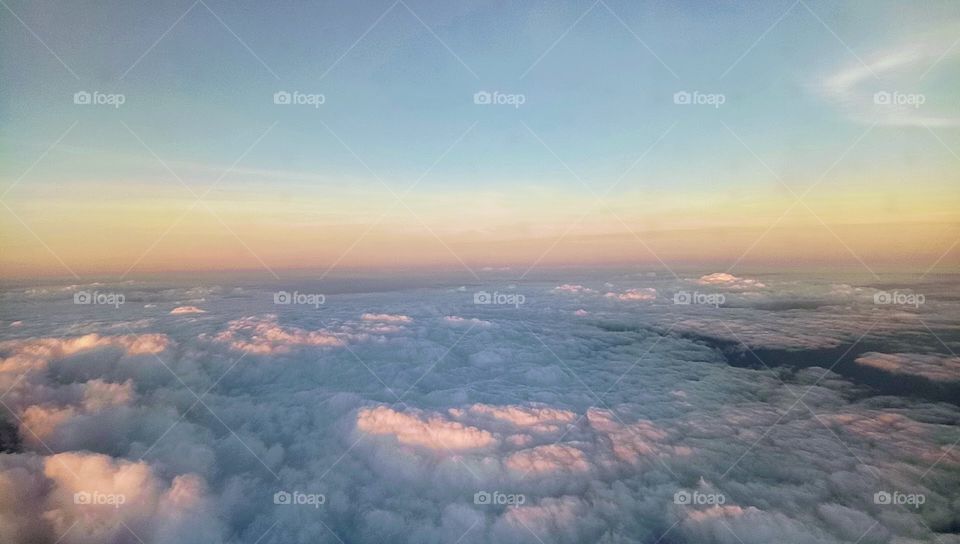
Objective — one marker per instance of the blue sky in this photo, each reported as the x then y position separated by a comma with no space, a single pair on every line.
399,97
598,80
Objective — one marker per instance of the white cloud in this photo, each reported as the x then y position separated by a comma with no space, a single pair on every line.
643,294
729,281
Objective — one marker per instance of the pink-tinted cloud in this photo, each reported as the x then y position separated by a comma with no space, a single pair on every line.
417,429
940,368
729,281
181,310
387,318
264,335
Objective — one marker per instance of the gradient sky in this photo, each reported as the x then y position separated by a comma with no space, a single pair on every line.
95,189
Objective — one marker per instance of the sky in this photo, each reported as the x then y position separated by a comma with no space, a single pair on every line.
789,158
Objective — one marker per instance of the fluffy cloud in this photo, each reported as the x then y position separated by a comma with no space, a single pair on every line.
729,281
387,318
933,367
91,498
432,432
597,431
644,294
573,288
265,336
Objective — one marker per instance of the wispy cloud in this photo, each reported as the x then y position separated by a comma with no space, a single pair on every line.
890,88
